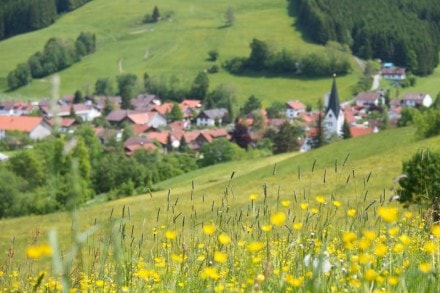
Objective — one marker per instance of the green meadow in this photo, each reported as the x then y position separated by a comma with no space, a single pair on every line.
175,47
362,168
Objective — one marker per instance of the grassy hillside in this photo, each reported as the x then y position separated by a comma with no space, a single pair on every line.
360,169
176,47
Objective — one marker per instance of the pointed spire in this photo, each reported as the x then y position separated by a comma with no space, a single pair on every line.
333,100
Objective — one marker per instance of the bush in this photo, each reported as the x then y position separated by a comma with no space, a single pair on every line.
420,182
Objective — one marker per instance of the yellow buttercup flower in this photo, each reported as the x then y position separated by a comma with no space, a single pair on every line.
370,275
320,199
337,203
209,229
314,210
380,250
388,214
170,235
220,256
285,203
224,239
278,219
253,196
297,226
266,228
304,205
255,246
435,230
351,212
179,258
425,267
39,251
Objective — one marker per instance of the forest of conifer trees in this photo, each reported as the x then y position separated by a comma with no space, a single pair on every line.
21,16
405,32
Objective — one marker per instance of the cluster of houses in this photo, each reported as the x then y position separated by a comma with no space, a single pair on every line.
153,130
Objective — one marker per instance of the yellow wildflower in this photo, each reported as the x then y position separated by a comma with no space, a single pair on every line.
351,212
337,203
314,211
255,246
253,196
170,234
388,214
425,267
295,282
220,256
285,203
320,199
380,250
278,219
304,206
266,228
209,229
179,258
297,226
435,230
370,275
224,239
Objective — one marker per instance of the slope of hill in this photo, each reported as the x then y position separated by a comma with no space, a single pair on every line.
177,46
353,170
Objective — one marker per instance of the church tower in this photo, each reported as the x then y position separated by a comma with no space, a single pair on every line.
333,117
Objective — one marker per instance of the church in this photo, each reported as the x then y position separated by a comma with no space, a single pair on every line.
333,120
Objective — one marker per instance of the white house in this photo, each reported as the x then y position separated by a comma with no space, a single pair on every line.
369,99
417,100
86,112
394,73
333,117
294,108
210,117
35,127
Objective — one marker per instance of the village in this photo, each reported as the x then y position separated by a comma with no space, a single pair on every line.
154,129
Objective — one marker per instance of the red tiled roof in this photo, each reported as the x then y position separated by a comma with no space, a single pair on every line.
138,129
393,71
139,118
191,103
360,131
19,123
164,108
177,125
296,105
161,137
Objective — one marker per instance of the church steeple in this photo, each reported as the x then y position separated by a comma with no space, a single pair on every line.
333,100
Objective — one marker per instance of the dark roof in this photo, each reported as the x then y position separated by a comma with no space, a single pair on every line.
333,100
214,113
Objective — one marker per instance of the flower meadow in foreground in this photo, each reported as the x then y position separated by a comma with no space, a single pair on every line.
321,244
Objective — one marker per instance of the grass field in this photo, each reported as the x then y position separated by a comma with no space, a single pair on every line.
284,174
177,47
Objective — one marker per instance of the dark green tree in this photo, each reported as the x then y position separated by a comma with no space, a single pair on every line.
199,87
276,110
19,77
251,104
420,182
213,55
78,97
156,14
346,134
260,54
176,113
288,137
127,89
104,86
219,151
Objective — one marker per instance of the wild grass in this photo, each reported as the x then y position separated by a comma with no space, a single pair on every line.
304,222
175,47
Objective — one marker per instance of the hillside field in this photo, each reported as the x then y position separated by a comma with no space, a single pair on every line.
372,163
175,47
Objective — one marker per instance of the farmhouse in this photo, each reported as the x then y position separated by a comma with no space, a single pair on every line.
35,127
211,117
417,100
294,109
